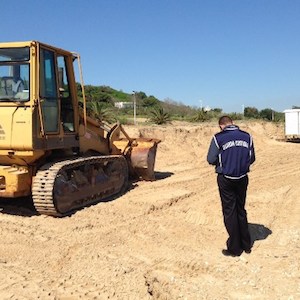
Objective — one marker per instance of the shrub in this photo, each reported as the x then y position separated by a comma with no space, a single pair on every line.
101,112
159,116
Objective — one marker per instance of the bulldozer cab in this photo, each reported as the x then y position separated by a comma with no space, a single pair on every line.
37,90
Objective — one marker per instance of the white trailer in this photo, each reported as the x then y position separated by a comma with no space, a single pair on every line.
292,124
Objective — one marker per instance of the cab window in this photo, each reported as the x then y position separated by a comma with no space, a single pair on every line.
48,91
67,111
14,74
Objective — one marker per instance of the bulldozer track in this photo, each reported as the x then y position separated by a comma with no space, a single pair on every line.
60,188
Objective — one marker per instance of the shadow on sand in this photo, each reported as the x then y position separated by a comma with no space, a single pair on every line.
18,206
24,206
163,175
258,232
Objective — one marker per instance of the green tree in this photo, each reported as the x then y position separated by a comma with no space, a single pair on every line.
251,112
267,114
279,116
236,116
94,93
150,102
141,95
217,110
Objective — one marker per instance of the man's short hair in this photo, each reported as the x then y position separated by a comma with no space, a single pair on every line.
225,120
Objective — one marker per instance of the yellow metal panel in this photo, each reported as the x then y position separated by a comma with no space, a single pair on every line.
20,158
22,129
91,140
15,44
6,126
14,182
16,128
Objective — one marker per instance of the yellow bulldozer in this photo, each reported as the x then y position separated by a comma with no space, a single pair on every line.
49,147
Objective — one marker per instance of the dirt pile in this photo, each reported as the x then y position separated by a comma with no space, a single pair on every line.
163,239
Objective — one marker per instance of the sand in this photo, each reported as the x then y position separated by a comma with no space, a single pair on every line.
163,239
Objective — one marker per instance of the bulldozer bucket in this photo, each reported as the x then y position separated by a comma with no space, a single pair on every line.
142,158
139,152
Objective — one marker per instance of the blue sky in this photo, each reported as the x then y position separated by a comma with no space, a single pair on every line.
221,53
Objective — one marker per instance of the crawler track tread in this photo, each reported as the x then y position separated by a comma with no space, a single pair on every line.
45,180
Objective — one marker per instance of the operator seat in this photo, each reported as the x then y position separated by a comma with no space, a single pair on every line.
11,86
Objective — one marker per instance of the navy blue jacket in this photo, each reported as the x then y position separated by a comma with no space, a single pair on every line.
232,152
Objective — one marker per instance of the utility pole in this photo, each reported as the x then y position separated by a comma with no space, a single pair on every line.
134,107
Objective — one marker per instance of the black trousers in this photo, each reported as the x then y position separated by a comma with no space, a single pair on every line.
233,198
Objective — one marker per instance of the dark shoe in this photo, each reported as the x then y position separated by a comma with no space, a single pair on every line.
248,251
229,253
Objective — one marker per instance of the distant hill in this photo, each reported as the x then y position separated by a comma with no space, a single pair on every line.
109,96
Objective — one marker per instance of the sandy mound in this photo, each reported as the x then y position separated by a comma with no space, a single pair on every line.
163,239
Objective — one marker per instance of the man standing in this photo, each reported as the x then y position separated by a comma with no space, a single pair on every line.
232,153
